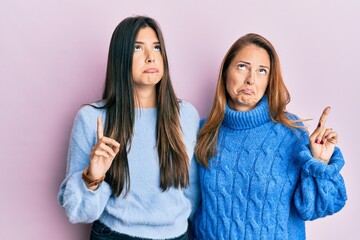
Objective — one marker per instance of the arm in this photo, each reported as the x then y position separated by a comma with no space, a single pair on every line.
82,204
193,191
321,189
190,124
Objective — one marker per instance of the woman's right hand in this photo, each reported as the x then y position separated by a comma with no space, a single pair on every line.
102,154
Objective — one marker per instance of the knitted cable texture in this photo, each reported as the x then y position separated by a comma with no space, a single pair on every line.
263,183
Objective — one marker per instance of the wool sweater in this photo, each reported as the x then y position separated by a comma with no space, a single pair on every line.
146,211
264,183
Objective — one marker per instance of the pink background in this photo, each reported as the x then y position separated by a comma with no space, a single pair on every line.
53,59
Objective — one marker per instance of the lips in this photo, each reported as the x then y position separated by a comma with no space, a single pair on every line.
247,91
151,70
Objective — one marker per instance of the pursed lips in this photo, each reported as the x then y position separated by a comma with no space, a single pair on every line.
151,70
247,91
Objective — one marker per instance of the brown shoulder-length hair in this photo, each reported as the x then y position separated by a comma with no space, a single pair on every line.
118,98
276,92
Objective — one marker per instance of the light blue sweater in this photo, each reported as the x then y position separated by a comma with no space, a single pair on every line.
147,211
264,182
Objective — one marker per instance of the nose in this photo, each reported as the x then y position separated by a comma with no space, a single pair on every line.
250,79
150,57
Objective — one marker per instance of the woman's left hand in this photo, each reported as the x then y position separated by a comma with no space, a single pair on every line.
323,140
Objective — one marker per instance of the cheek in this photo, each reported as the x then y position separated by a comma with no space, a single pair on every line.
232,84
265,85
159,59
228,86
134,70
135,64
261,89
160,64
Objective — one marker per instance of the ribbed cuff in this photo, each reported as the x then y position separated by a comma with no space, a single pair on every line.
318,169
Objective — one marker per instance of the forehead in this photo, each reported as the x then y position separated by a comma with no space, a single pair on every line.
147,33
253,54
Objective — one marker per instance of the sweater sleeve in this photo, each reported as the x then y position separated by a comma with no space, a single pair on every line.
190,124
321,189
193,191
81,204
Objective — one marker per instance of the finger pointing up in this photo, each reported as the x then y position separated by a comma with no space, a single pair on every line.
100,131
322,120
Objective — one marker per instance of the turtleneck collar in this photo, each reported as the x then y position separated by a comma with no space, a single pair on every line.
250,119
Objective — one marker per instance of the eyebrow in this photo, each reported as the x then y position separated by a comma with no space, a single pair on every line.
263,66
139,42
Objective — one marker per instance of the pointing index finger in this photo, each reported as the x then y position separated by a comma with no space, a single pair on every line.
100,131
323,117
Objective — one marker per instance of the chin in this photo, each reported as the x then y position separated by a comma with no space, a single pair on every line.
247,101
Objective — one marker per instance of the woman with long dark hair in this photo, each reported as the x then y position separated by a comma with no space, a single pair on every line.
135,177
262,176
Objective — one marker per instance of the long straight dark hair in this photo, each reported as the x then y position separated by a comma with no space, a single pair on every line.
118,97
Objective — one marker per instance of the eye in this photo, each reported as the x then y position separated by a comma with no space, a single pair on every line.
157,48
262,71
137,48
242,66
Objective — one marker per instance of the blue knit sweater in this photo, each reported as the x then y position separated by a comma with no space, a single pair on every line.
147,211
264,182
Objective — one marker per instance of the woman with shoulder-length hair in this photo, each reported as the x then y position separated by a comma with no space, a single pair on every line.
134,179
261,175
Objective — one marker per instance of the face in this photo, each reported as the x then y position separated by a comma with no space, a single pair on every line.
147,65
247,78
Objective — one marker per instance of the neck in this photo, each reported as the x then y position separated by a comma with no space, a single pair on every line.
145,97
248,119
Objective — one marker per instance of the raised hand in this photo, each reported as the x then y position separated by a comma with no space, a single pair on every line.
323,140
102,154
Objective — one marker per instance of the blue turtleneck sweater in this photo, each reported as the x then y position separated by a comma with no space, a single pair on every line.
264,183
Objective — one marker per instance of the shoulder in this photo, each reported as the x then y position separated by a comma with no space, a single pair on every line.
298,121
189,116
88,111
292,116
87,115
202,122
296,133
188,110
